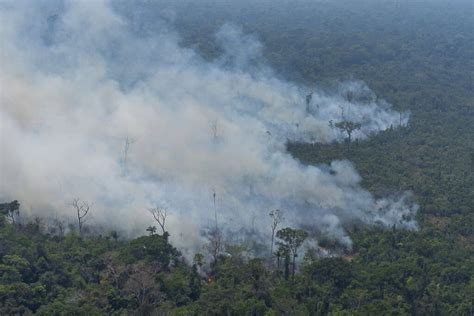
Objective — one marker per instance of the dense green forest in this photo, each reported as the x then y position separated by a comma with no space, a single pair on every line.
418,55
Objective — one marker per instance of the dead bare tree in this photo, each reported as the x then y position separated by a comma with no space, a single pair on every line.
113,270
141,284
215,208
349,96
39,223
309,97
82,209
126,147
277,218
60,226
254,217
214,126
159,214
216,244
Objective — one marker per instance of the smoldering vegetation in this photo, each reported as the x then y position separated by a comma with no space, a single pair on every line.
95,106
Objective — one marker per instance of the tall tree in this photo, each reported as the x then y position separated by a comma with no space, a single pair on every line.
126,147
82,209
292,241
348,127
309,97
216,244
159,214
10,210
277,218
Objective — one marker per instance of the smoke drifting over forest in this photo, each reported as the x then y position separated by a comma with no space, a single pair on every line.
94,106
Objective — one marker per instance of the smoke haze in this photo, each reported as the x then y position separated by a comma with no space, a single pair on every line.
95,107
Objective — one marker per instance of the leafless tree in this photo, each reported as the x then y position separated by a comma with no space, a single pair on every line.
82,209
342,112
59,225
39,223
113,270
277,218
216,244
254,217
126,147
349,96
214,126
215,208
159,214
309,97
141,284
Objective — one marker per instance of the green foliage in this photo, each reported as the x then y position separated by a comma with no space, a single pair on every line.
393,47
391,272
150,248
292,239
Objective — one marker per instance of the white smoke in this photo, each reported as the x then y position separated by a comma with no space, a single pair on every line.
78,81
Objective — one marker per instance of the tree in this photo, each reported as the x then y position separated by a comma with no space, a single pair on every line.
279,253
215,208
216,244
348,127
82,209
142,286
113,268
292,240
283,252
126,147
308,101
10,210
151,230
214,129
60,225
277,218
159,214
198,260
114,234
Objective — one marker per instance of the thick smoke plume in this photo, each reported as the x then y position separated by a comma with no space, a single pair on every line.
95,107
